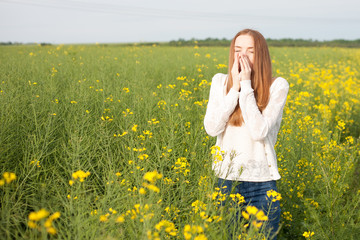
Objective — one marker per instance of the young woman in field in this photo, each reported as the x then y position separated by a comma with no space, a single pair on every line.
244,112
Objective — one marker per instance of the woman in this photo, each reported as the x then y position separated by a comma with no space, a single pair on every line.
244,112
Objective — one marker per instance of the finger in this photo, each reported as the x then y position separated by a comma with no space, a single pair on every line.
242,63
246,63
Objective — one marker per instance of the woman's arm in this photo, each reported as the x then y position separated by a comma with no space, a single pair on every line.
219,108
259,123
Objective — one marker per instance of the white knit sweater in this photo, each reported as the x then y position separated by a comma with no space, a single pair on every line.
249,149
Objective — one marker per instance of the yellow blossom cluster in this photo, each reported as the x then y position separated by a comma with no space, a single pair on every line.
151,177
238,198
217,153
217,196
143,156
36,162
169,229
182,166
273,195
200,208
308,234
255,215
153,121
127,112
36,217
134,127
194,232
161,104
120,135
167,226
172,212
141,211
105,217
80,174
8,177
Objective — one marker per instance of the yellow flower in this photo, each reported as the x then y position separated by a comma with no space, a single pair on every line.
143,156
103,218
341,125
189,231
251,210
260,215
256,224
9,177
221,66
237,198
275,196
32,224
54,216
142,191
308,234
245,215
134,128
120,219
151,187
161,104
48,223
123,134
81,175
51,230
152,176
168,226
37,216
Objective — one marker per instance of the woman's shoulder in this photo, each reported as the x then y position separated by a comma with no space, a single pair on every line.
279,82
219,79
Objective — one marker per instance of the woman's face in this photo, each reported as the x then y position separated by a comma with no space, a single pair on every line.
244,45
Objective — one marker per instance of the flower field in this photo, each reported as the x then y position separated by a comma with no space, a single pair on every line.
107,142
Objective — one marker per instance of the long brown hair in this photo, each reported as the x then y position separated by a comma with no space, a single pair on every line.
261,73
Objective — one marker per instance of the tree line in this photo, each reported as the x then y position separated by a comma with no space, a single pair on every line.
285,42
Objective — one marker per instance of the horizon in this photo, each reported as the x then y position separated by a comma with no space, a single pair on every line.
180,39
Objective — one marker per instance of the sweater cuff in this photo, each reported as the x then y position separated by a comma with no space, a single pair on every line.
233,93
246,86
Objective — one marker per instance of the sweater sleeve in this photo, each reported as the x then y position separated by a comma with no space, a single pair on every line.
259,124
219,107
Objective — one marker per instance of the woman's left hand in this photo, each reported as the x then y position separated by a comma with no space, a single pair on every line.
245,68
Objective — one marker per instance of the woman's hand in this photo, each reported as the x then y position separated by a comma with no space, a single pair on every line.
235,73
245,73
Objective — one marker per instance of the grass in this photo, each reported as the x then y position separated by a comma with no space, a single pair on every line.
76,107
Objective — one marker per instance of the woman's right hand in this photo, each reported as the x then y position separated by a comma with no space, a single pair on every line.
235,73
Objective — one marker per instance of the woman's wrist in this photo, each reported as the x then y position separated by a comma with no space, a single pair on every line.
236,87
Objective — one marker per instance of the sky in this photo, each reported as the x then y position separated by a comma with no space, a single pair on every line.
124,21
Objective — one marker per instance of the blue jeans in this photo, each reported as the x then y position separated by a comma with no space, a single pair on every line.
255,195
